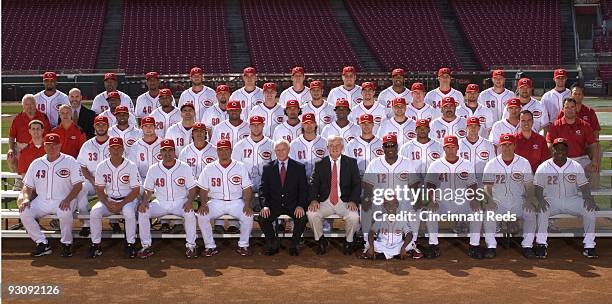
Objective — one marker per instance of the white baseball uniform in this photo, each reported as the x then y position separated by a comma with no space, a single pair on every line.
496,102
485,116
171,188
225,130
377,110
501,127
435,96
144,155
308,152
364,151
426,112
348,132
100,104
118,182
287,131
49,105
225,186
112,120
324,114
214,116
425,153
272,117
390,237
540,116
290,94
202,100
91,154
197,159
561,190
181,136
405,131
353,96
163,120
553,102
248,100
478,153
386,96
439,128
146,104
254,155
129,135
52,181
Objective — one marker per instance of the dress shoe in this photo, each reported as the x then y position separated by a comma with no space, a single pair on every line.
322,249
293,251
348,248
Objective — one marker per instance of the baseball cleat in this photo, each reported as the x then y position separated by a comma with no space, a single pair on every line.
95,250
243,251
415,253
490,253
528,253
191,252
131,250
145,253
540,251
66,250
42,249
590,253
474,252
208,252
432,252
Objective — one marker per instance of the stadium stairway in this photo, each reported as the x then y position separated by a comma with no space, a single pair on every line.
456,36
366,56
109,44
240,57
568,55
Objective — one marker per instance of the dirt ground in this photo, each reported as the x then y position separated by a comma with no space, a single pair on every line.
168,277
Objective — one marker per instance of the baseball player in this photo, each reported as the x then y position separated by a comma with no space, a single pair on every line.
475,148
342,126
166,115
297,91
117,185
435,96
218,112
181,131
57,180
309,147
148,101
200,152
101,101
272,112
250,95
557,182
292,127
201,96
472,108
323,111
449,123
50,99
418,109
93,152
369,106
254,151
400,124
451,173
174,187
508,125
423,149
234,128
348,90
122,128
366,147
113,102
396,90
145,151
553,99
225,189
540,116
508,181
496,97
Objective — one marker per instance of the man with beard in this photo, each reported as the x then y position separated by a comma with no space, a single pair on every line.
201,96
50,99
396,90
101,101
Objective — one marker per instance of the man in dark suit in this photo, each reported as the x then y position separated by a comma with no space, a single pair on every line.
81,116
283,190
335,188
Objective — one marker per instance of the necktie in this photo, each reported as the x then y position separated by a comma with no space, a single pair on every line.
75,116
333,196
283,173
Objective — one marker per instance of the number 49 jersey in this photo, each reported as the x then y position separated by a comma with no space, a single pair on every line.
170,184
225,183
508,181
364,152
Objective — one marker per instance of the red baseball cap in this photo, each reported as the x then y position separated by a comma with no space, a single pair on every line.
472,88
198,126
297,70
167,144
233,105
560,140
560,73
507,139
389,138
398,72
224,143
348,69
121,109
398,101
49,75
113,94
100,119
513,102
443,71
196,70
366,118
417,86
524,83
147,120
223,88
308,117
249,70
342,102
448,100
498,73
422,123
292,103
115,142
150,75
269,86
165,92
450,140
368,85
187,104
473,121
108,76
256,120
316,84
52,138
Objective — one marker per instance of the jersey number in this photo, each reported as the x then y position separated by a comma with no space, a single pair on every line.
107,178
215,182
225,136
358,152
553,180
93,156
160,182
500,178
191,162
159,125
215,121
41,173
142,157
247,153
416,155
382,178
465,155
441,133
180,141
490,104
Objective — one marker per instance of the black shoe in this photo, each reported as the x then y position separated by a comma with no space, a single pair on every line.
55,224
348,248
66,250
232,229
474,252
540,251
490,253
219,229
322,249
116,228
529,253
590,253
178,229
41,249
85,232
131,251
432,252
293,251
271,251
95,250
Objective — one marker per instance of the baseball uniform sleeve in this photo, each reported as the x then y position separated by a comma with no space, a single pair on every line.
246,180
134,176
190,180
203,180
581,179
29,176
148,182
76,176
98,178
488,174
540,176
82,157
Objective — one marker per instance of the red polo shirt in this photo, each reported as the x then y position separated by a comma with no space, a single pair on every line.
579,135
28,155
533,149
587,114
72,139
19,127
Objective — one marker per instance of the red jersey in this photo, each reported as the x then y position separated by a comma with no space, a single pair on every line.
72,139
533,149
19,127
579,135
587,114
28,155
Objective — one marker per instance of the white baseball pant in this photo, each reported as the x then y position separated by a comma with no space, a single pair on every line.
159,208
454,208
40,207
568,205
83,201
99,210
514,206
217,208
